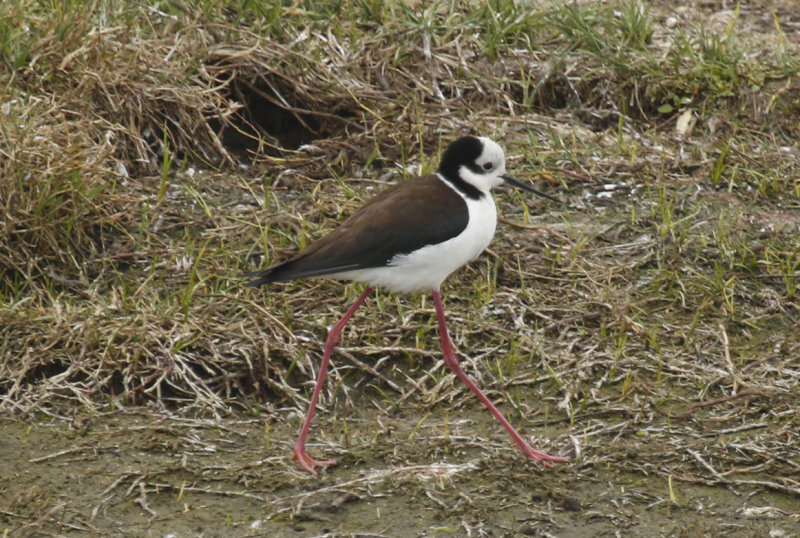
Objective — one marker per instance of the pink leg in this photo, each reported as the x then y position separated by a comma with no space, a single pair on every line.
333,338
451,362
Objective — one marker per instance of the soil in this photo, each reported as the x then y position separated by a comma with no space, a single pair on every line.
143,472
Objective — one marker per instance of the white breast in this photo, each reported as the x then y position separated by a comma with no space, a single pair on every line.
426,268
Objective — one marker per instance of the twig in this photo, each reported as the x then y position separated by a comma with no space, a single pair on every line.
58,454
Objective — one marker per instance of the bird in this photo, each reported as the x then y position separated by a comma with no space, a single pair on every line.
409,238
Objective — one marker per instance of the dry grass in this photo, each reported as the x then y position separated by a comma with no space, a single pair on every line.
149,155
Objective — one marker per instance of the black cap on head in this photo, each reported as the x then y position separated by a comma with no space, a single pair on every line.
463,152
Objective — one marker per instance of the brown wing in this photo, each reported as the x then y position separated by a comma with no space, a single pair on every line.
403,218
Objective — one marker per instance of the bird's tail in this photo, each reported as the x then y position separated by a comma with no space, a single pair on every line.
258,278
277,273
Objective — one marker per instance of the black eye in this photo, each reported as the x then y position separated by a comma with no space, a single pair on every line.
488,166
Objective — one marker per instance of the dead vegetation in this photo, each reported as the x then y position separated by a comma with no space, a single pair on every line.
148,155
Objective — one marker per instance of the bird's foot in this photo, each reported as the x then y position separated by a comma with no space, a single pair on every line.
540,456
308,462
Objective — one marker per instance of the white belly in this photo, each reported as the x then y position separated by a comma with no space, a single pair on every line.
426,268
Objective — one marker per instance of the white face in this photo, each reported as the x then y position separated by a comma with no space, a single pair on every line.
492,163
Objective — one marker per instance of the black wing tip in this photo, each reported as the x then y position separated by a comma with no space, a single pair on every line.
277,273
285,273
257,278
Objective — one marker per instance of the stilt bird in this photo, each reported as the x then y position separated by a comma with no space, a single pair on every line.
410,237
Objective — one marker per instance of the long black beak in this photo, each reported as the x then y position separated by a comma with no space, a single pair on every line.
519,185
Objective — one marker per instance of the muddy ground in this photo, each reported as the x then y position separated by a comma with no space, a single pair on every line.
142,472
